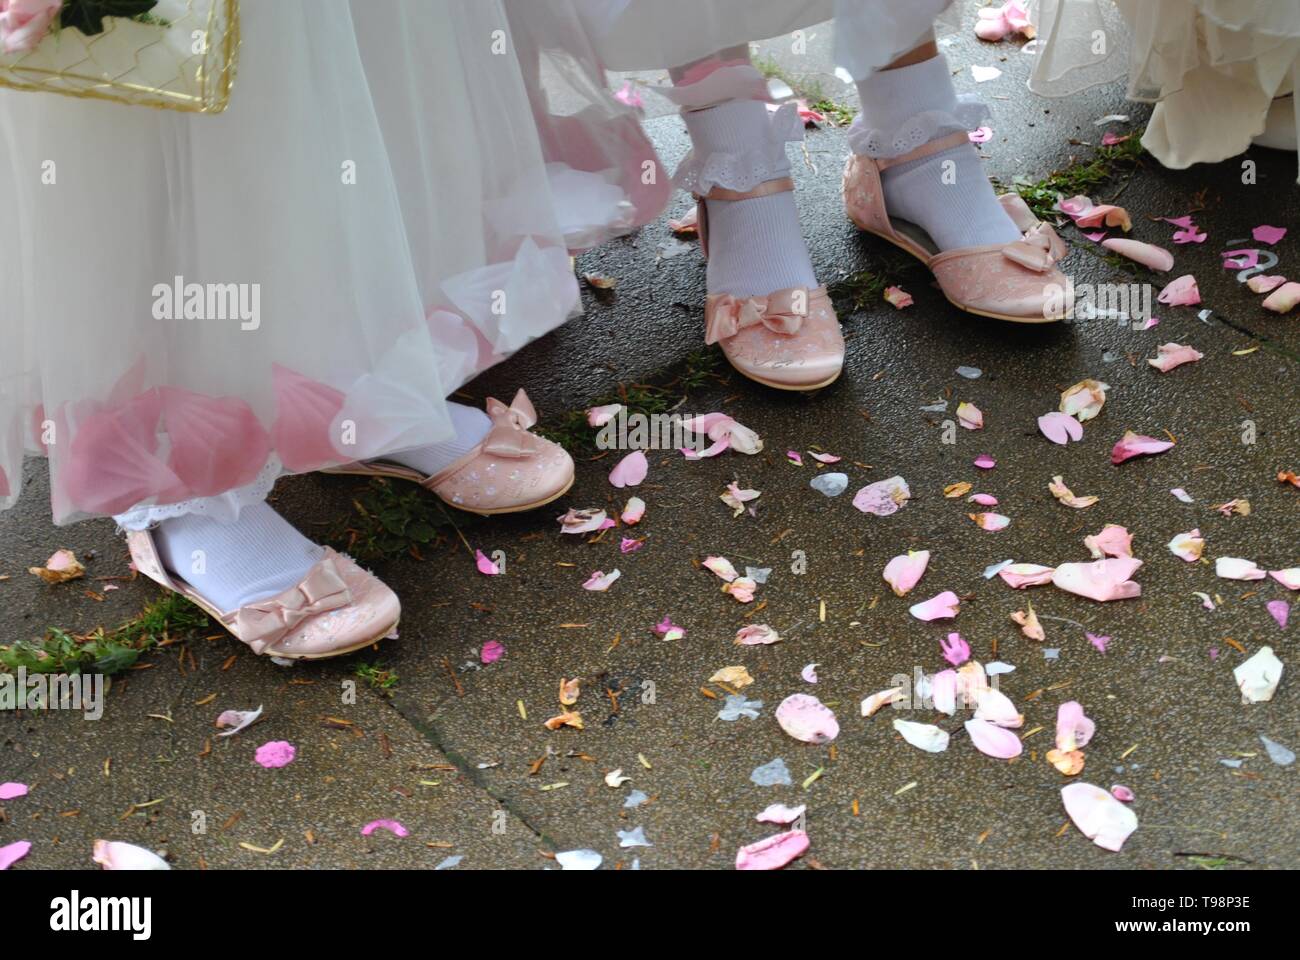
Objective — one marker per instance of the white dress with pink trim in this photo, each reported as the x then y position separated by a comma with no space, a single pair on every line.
194,304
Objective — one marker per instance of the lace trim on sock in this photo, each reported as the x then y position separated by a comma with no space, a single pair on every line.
917,130
224,507
759,162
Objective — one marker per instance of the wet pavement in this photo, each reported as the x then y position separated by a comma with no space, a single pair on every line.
457,751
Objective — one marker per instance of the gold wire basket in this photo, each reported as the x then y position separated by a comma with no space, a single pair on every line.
181,57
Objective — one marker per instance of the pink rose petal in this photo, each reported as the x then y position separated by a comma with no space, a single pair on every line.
392,826
1263,283
1122,793
1102,580
1018,576
1174,355
485,565
884,497
905,570
1280,611
898,297
992,740
275,753
807,719
1235,568
985,462
1242,259
756,634
1073,729
13,852
1132,445
1289,578
992,522
941,607
996,707
772,853
1113,541
1098,815
1284,298
12,791
237,720
1182,292
599,416
1060,427
115,855
630,471
1266,234
600,581
492,651
980,135
955,650
633,511
780,813
1147,254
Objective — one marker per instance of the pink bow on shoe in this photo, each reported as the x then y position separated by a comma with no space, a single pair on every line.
726,316
266,622
1038,250
509,436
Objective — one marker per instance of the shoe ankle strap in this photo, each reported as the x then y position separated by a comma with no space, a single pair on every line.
765,189
926,150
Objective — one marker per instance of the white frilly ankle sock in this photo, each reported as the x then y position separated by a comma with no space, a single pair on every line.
233,564
755,245
471,427
947,194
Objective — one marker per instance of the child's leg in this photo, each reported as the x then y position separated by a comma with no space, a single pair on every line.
755,245
905,105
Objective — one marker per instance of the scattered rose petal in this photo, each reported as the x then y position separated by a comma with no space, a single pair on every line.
600,581
616,779
992,740
599,416
12,791
1133,445
756,634
1280,610
1261,283
1068,762
582,521
1029,624
807,719
725,433
780,813
1113,541
1066,496
990,521
633,511
955,650
1284,298
984,499
669,630
485,565
569,718
1182,292
722,567
1174,355
824,457
1097,641
996,707
11,853
1018,576
1060,427
736,498
883,497
898,297
980,135
275,753
392,826
114,855
1257,678
62,566
1266,234
795,457
905,571
1099,816
970,416
1235,568
772,853
1182,495
1289,578
924,736
742,589
579,859
1148,254
985,462
630,471
237,720
809,673
1073,729
1122,793
1187,546
1105,215
736,676
941,607
492,651
877,700
1108,579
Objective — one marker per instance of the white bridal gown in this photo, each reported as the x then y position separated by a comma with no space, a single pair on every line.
396,185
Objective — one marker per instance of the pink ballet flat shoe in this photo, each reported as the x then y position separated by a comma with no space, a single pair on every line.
1017,281
510,471
790,339
336,609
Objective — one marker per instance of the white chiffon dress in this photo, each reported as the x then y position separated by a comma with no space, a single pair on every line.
377,188
1214,68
